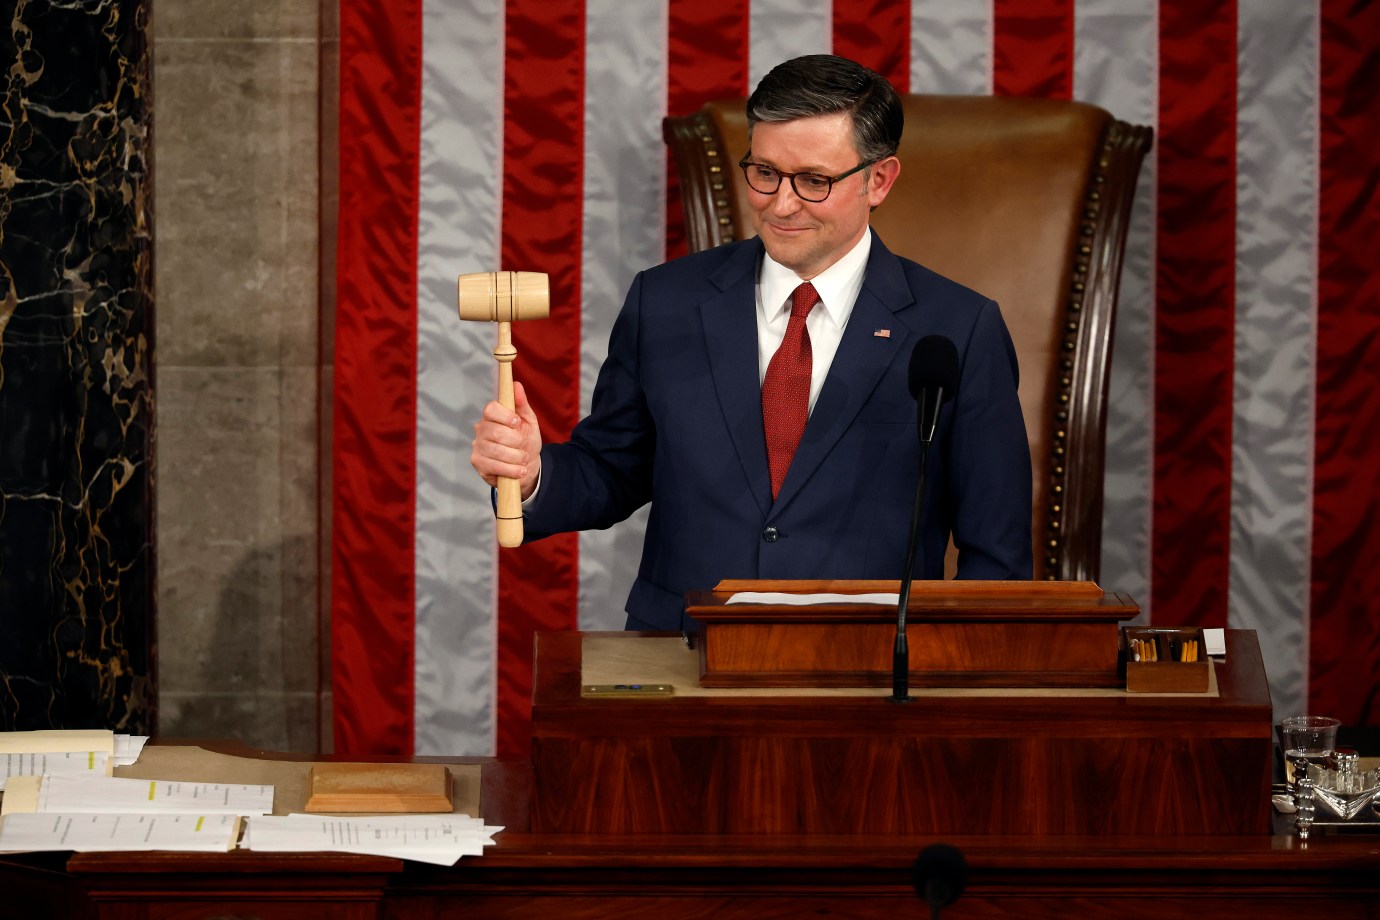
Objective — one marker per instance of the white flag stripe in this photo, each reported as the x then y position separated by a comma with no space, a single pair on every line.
1272,424
461,148
1116,54
950,47
779,30
624,221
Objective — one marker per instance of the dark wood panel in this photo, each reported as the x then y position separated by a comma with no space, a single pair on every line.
864,785
241,884
533,876
1078,764
1147,899
36,885
941,655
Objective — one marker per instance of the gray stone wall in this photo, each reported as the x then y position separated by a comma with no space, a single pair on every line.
243,369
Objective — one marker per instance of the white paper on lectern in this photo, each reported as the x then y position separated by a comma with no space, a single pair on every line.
87,833
127,749
437,839
68,763
73,751
807,600
116,795
1215,641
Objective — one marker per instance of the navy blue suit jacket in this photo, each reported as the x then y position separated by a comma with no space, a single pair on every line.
676,420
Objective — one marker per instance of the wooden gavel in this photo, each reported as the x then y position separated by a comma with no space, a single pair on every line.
502,297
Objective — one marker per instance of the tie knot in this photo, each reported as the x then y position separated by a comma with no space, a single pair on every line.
803,300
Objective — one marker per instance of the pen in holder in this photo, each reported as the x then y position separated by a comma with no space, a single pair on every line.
1165,660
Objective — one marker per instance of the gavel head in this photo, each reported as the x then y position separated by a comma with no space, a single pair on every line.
502,297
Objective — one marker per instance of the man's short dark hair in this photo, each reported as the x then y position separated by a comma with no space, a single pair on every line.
825,84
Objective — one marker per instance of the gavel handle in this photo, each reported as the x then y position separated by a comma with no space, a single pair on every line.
509,490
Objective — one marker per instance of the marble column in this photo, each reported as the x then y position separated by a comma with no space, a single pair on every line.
76,355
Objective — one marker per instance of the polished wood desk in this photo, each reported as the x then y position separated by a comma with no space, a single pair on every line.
535,873
665,876
732,877
1022,762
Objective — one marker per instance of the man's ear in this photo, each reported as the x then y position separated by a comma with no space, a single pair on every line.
881,177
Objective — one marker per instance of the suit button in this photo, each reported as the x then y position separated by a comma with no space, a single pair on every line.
771,535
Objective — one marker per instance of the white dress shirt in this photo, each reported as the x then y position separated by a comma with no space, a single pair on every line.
837,286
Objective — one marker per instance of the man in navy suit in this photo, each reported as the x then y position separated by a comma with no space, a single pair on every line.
756,394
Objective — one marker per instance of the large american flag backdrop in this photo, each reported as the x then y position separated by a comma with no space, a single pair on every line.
1244,433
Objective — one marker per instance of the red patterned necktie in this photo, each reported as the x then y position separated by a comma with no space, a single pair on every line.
786,388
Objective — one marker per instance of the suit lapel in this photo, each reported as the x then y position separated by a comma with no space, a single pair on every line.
861,360
730,331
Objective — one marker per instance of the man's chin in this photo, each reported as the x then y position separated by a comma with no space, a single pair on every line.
790,251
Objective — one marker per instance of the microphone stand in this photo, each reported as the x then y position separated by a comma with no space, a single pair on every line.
900,656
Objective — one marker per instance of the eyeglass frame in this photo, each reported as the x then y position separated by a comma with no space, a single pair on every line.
745,162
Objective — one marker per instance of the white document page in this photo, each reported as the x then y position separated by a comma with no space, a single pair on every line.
1216,641
97,833
127,749
437,839
70,752
805,600
69,763
117,795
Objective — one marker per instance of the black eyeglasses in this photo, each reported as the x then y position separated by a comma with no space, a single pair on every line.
808,186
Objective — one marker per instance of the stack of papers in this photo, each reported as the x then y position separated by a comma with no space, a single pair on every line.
437,839
69,763
108,795
102,813
78,753
99,833
59,795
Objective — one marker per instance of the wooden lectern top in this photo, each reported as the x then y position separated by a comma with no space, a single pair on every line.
960,633
963,600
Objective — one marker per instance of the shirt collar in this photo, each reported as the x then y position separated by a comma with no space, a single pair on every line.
837,286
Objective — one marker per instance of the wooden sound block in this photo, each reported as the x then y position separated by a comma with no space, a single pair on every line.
379,788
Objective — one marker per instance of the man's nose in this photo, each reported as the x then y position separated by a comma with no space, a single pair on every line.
785,201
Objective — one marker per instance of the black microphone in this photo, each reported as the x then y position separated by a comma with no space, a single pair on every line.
933,381
940,874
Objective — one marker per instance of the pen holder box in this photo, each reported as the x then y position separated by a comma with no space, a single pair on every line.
1161,660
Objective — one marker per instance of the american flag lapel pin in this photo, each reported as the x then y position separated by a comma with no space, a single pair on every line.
882,333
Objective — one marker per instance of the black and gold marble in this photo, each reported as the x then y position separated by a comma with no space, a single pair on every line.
76,353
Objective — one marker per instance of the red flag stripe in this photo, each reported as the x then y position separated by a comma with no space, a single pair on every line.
1194,337
1032,48
372,603
876,34
706,52
706,58
1344,651
543,179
